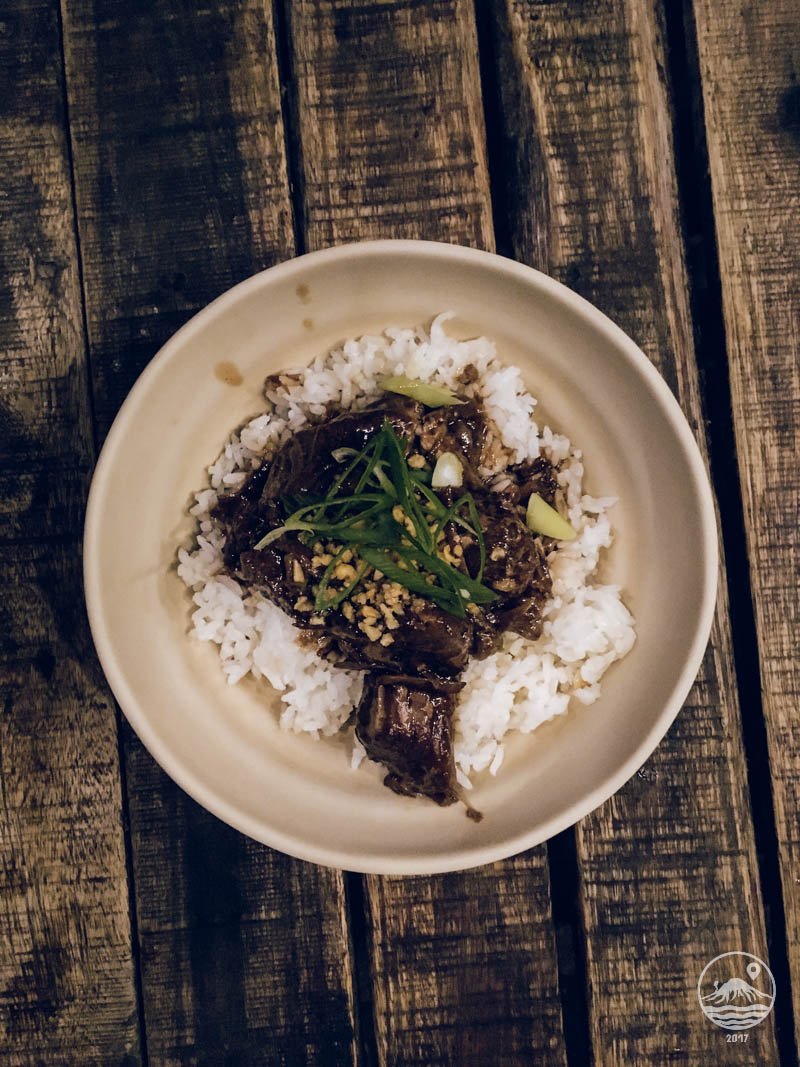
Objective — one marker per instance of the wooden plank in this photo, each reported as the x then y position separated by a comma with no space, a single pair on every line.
464,966
390,142
389,122
180,169
668,866
245,955
67,992
182,191
750,65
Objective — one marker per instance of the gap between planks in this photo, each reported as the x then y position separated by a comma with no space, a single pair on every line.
705,294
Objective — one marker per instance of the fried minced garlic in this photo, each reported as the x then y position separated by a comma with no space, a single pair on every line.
449,556
375,604
374,633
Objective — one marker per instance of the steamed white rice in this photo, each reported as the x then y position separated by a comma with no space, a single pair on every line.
519,687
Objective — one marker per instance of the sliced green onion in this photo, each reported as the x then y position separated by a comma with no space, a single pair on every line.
273,535
401,478
343,453
375,450
421,477
357,512
431,499
476,529
480,594
383,481
341,478
448,472
413,580
381,528
432,396
543,519
288,527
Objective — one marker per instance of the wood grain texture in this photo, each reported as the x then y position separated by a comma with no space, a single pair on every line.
244,952
464,967
67,991
668,866
390,141
182,191
389,121
750,67
180,168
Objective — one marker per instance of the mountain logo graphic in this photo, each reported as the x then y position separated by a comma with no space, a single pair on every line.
736,991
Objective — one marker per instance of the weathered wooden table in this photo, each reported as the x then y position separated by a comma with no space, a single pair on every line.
158,151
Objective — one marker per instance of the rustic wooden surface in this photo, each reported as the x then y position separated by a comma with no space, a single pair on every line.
605,221
65,940
750,65
157,154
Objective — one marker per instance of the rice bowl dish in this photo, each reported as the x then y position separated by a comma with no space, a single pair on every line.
516,687
223,744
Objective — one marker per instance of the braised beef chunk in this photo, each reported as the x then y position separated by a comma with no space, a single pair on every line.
511,554
523,618
427,642
537,476
241,517
408,727
403,413
412,649
430,639
305,463
280,571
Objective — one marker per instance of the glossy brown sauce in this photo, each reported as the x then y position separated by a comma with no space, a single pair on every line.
304,294
404,719
228,373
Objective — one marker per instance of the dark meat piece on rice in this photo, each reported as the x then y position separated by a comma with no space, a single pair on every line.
405,717
407,726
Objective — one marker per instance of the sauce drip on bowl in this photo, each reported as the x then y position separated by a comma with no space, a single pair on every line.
228,373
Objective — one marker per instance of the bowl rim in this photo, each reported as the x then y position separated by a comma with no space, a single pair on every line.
460,858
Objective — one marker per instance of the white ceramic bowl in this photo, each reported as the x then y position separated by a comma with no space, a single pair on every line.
222,744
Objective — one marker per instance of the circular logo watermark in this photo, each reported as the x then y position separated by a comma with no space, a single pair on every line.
736,990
